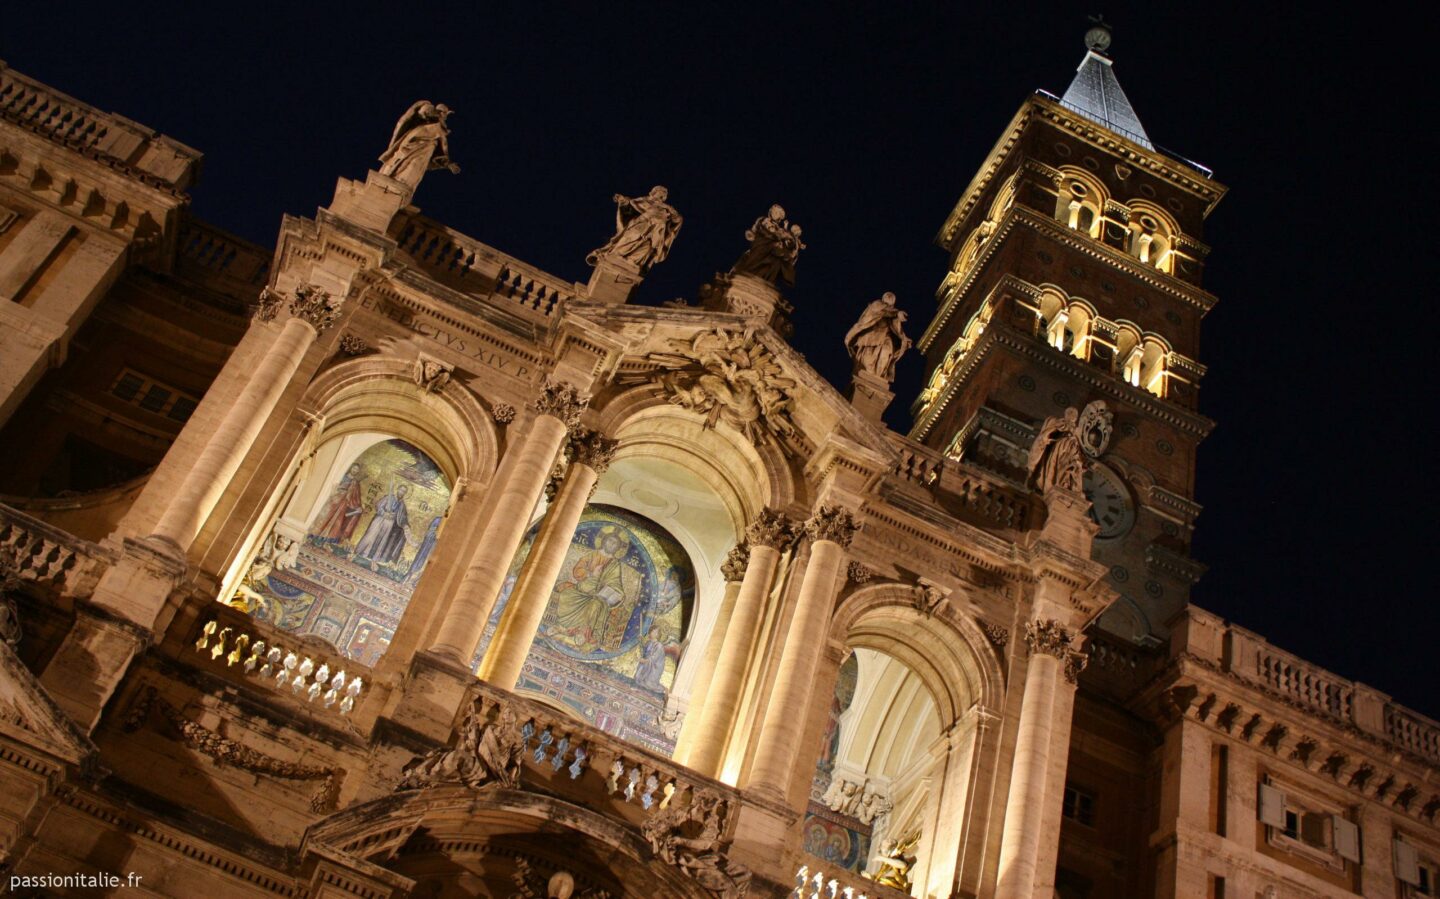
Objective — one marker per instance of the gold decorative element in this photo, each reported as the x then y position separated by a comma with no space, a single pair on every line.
286,667
833,523
315,306
738,559
560,400
772,529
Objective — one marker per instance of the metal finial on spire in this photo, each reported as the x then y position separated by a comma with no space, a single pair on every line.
1098,37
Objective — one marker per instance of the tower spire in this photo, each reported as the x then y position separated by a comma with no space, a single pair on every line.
1095,92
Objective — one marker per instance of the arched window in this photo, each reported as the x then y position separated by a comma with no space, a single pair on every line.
350,544
1080,202
1128,353
609,643
1153,365
1080,320
1152,237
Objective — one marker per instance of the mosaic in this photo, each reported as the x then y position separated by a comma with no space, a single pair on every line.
365,551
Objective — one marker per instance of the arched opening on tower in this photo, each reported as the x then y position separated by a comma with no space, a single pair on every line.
871,807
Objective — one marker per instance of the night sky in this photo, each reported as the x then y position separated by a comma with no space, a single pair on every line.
866,123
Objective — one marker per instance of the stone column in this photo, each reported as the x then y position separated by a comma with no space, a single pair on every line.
830,530
313,311
707,728
1044,731
557,412
591,454
733,570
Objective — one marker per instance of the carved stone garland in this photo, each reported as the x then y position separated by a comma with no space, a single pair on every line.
224,751
1052,638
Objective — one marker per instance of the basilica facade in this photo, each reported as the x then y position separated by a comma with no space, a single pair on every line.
381,563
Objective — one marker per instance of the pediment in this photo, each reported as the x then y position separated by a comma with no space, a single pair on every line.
30,716
736,373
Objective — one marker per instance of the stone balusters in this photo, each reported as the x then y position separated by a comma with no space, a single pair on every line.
312,311
733,570
590,454
830,530
707,728
1032,812
557,412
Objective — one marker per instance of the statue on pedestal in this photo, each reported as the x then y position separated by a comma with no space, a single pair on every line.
1056,457
419,144
774,247
878,339
645,228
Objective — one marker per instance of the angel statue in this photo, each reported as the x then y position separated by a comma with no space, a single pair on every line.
878,340
1056,458
645,228
774,247
419,144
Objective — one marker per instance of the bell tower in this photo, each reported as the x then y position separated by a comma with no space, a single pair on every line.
1075,279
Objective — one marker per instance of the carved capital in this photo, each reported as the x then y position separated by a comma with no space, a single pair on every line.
592,449
738,559
772,529
833,523
560,400
266,306
315,306
1052,638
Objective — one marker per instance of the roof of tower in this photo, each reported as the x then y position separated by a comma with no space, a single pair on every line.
1096,93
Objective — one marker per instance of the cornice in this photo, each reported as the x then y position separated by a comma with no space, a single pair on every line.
999,333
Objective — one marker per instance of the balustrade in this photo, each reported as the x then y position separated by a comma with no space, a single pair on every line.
1308,685
814,881
237,645
47,555
468,265
1412,732
216,252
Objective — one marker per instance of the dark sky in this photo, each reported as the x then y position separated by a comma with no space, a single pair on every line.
866,122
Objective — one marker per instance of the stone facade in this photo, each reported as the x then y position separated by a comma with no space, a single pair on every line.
191,412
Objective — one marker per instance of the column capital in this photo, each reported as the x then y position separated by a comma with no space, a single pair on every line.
736,561
592,449
1050,637
836,524
316,307
772,529
560,400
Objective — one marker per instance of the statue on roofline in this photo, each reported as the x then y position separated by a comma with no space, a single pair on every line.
775,245
878,339
420,144
645,229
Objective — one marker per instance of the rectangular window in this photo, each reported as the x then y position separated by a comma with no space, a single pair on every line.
1078,806
1308,827
161,399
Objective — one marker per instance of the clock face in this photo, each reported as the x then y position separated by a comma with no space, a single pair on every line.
1110,505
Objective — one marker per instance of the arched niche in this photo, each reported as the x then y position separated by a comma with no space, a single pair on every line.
378,449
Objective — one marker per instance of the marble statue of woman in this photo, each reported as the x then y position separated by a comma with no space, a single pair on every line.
877,340
1056,458
420,143
645,228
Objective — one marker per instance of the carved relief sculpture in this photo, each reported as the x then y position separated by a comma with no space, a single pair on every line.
419,144
771,528
689,838
431,375
729,377
1056,457
645,229
774,247
1096,425
878,340
833,523
488,751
